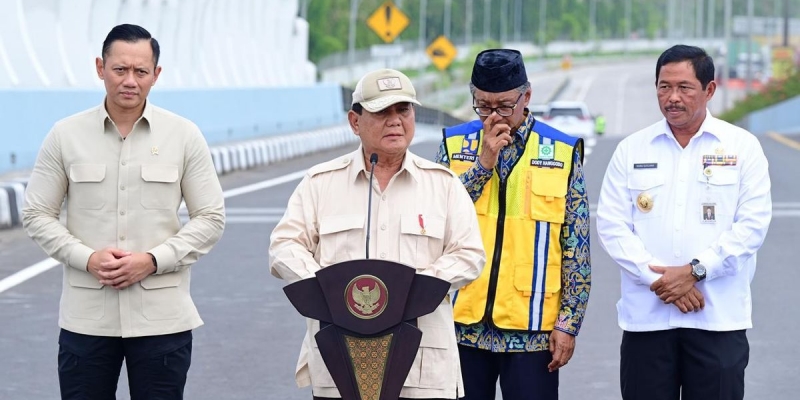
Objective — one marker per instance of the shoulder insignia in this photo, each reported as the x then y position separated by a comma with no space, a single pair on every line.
332,165
422,163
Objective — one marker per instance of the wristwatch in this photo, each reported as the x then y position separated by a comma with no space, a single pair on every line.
698,270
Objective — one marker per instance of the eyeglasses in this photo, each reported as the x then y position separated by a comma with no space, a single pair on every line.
503,111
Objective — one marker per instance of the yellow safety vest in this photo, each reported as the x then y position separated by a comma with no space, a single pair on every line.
520,221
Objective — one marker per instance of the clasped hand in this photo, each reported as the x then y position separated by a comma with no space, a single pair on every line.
119,268
676,286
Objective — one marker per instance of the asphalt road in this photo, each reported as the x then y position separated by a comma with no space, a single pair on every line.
249,345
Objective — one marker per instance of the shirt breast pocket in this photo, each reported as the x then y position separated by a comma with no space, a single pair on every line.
87,186
721,188
421,239
339,236
160,189
648,194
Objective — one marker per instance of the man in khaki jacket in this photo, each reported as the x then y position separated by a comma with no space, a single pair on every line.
421,216
124,167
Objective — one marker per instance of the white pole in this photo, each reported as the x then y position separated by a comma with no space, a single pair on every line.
698,20
517,20
628,24
468,22
542,25
750,49
710,31
726,67
503,21
351,38
487,13
423,7
447,9
592,23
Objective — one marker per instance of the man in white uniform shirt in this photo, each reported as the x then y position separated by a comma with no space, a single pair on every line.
686,277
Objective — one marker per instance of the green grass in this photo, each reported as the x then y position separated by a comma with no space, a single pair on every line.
773,93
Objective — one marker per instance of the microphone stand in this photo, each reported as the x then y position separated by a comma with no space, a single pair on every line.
373,159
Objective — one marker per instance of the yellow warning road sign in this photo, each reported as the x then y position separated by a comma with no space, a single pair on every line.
442,52
388,21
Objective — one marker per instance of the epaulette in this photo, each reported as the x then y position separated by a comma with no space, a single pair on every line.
430,165
332,165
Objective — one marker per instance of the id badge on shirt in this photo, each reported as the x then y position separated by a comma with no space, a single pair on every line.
708,213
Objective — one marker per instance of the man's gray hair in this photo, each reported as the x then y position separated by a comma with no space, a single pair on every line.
521,88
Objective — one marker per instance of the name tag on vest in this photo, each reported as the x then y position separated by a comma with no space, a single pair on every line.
464,157
547,163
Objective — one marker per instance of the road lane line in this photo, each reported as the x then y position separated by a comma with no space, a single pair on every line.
784,140
47,264
786,204
587,83
27,273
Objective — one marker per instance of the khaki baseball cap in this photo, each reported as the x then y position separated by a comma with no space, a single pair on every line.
382,88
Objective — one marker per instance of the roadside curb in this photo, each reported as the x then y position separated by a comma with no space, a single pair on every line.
227,158
560,90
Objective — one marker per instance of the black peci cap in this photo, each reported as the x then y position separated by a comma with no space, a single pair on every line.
498,70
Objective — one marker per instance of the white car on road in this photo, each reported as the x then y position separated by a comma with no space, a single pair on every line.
570,117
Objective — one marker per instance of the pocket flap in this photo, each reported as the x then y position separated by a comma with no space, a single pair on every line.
429,225
436,337
340,223
546,183
83,280
87,172
720,176
160,173
644,180
172,279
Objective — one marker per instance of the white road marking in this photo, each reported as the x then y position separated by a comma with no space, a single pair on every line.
586,84
47,264
262,215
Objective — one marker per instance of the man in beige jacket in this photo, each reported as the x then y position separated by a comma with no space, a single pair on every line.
124,167
421,216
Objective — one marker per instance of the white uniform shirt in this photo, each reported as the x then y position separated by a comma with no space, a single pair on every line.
676,229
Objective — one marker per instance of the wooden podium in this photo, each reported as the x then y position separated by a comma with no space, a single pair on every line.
368,312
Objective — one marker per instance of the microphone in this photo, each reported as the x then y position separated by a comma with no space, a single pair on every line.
373,159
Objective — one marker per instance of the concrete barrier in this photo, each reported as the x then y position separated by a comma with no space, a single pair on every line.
253,153
232,157
12,199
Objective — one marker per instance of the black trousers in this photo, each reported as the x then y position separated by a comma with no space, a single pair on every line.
686,364
523,376
339,398
89,366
